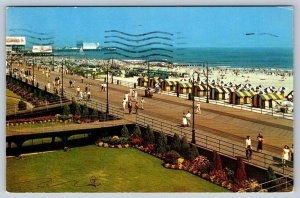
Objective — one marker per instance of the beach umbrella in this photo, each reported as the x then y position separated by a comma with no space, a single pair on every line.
282,88
252,89
222,82
260,92
272,87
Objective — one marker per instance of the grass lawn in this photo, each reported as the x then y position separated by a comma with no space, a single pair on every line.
40,125
116,170
12,100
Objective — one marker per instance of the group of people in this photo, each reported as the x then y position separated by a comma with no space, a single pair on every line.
186,119
287,152
127,102
84,95
259,148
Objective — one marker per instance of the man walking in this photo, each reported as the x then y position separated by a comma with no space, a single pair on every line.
188,118
142,104
124,104
129,106
198,110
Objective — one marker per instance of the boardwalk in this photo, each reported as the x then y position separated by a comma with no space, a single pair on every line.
228,126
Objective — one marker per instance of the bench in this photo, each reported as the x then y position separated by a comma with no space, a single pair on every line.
279,161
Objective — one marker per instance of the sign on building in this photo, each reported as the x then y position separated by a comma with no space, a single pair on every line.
42,49
15,40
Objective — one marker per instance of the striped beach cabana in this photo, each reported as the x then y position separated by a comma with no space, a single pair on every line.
218,93
210,88
168,85
241,97
200,90
143,81
155,80
266,100
184,87
228,91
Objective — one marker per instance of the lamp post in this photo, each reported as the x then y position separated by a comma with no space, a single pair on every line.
193,95
107,104
207,100
33,63
62,78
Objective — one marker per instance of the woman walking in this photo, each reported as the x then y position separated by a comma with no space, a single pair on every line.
124,104
129,106
136,106
260,140
285,154
184,120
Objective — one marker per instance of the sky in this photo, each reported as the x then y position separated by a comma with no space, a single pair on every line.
191,26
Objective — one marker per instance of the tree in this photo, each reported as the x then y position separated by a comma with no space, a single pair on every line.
124,131
94,115
66,111
148,136
161,143
22,105
271,176
193,153
185,148
77,111
137,132
240,173
217,162
85,112
175,143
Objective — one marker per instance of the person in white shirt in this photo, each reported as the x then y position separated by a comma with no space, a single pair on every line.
188,118
124,104
198,110
285,154
248,148
142,103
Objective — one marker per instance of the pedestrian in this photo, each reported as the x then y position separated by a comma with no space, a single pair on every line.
124,104
136,106
135,96
89,95
198,110
292,152
48,86
81,79
86,88
142,104
188,118
80,96
260,140
78,90
248,148
129,106
285,154
184,120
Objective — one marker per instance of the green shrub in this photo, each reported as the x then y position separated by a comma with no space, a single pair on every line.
193,153
85,112
66,110
137,132
171,157
22,105
175,143
95,115
161,143
124,131
148,136
185,148
77,111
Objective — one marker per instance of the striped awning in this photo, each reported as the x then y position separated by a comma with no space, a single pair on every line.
271,97
143,78
200,87
211,86
170,83
185,85
242,94
219,90
229,89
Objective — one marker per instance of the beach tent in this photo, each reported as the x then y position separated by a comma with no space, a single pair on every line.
218,93
290,96
184,87
200,90
143,81
228,91
168,85
266,100
210,88
241,97
155,80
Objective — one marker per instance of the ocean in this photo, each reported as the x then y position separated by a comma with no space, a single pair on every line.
268,58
